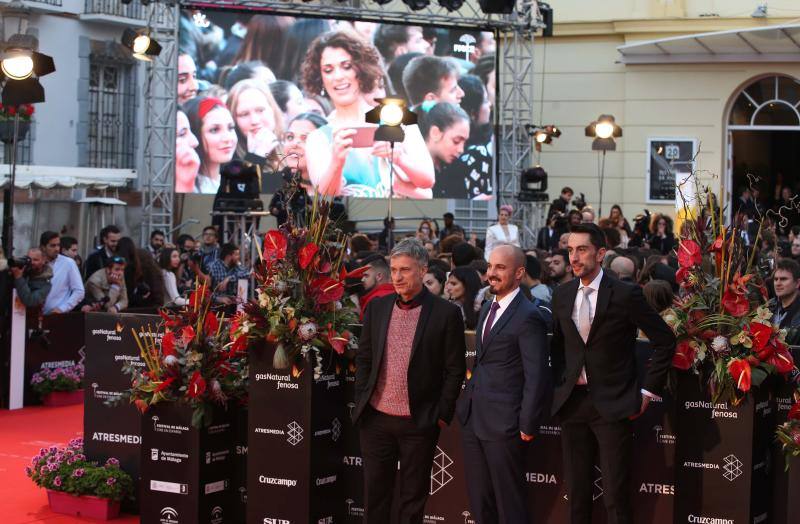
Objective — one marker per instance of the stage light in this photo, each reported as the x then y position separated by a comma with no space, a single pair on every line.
390,113
416,5
141,44
451,5
17,64
500,7
542,134
604,130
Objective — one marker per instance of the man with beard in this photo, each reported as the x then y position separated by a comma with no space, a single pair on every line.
560,270
506,399
595,322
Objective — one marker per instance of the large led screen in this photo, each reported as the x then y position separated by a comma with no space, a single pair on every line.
290,94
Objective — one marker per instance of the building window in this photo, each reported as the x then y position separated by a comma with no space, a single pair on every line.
24,146
112,113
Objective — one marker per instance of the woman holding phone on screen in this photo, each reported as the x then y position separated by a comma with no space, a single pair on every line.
212,124
346,160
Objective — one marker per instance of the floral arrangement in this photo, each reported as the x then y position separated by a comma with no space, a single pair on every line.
67,469
721,321
788,433
67,378
300,304
8,112
194,361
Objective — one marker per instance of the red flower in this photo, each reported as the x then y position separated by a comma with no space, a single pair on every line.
735,304
684,355
11,110
164,385
141,405
794,413
760,334
338,342
239,345
682,276
211,325
28,110
187,334
326,290
689,253
306,254
778,356
197,385
356,273
168,344
739,369
274,245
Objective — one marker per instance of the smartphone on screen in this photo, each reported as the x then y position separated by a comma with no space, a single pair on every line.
365,136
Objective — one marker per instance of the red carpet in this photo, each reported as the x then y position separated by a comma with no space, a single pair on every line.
22,433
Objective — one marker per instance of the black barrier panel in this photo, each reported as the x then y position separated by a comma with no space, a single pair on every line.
239,488
652,479
112,431
786,484
57,344
722,456
295,443
187,473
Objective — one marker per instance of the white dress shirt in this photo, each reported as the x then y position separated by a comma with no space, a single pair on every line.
502,307
595,285
66,286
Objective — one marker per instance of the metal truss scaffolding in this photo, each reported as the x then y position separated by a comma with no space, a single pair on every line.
515,79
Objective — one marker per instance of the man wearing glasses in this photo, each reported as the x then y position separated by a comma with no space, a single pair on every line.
210,246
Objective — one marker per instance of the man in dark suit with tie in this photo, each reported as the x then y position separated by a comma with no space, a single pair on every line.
410,367
508,396
595,321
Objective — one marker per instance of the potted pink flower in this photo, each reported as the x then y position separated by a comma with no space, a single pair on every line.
76,486
61,386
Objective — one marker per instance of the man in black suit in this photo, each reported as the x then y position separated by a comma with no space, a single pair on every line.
508,396
595,321
98,259
410,367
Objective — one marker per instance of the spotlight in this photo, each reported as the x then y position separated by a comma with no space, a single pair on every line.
17,64
140,43
533,185
500,7
542,134
604,130
451,5
390,113
416,5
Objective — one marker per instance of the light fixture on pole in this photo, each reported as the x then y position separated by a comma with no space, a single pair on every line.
390,114
604,130
542,134
15,19
141,44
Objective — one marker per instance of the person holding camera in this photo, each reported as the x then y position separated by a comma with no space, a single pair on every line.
67,286
225,274
31,276
106,287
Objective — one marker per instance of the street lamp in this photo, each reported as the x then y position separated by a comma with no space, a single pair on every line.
604,130
15,19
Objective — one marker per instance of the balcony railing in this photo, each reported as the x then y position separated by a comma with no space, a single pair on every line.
55,3
133,10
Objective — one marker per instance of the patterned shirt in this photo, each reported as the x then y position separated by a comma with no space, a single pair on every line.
391,390
219,271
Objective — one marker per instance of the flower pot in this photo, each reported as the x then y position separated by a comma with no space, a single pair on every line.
63,398
84,506
7,131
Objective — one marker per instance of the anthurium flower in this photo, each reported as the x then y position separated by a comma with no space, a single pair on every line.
739,369
198,297
684,355
326,290
760,334
735,304
211,324
187,334
197,385
689,253
794,413
275,245
164,385
337,342
306,254
356,273
168,344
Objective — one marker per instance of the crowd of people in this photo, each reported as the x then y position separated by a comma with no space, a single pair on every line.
261,88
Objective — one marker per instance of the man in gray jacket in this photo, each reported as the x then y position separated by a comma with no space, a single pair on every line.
32,282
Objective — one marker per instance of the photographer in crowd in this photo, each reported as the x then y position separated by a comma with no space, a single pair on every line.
106,287
67,287
31,276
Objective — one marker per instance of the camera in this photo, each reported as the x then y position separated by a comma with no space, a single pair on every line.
19,262
579,202
196,257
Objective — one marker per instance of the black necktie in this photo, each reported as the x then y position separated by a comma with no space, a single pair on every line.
487,327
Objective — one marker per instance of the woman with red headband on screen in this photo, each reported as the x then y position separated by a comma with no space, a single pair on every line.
212,124
346,68
187,163
503,232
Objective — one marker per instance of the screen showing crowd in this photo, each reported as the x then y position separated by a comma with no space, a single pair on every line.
290,94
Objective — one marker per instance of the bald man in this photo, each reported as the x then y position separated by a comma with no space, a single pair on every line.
624,268
507,398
